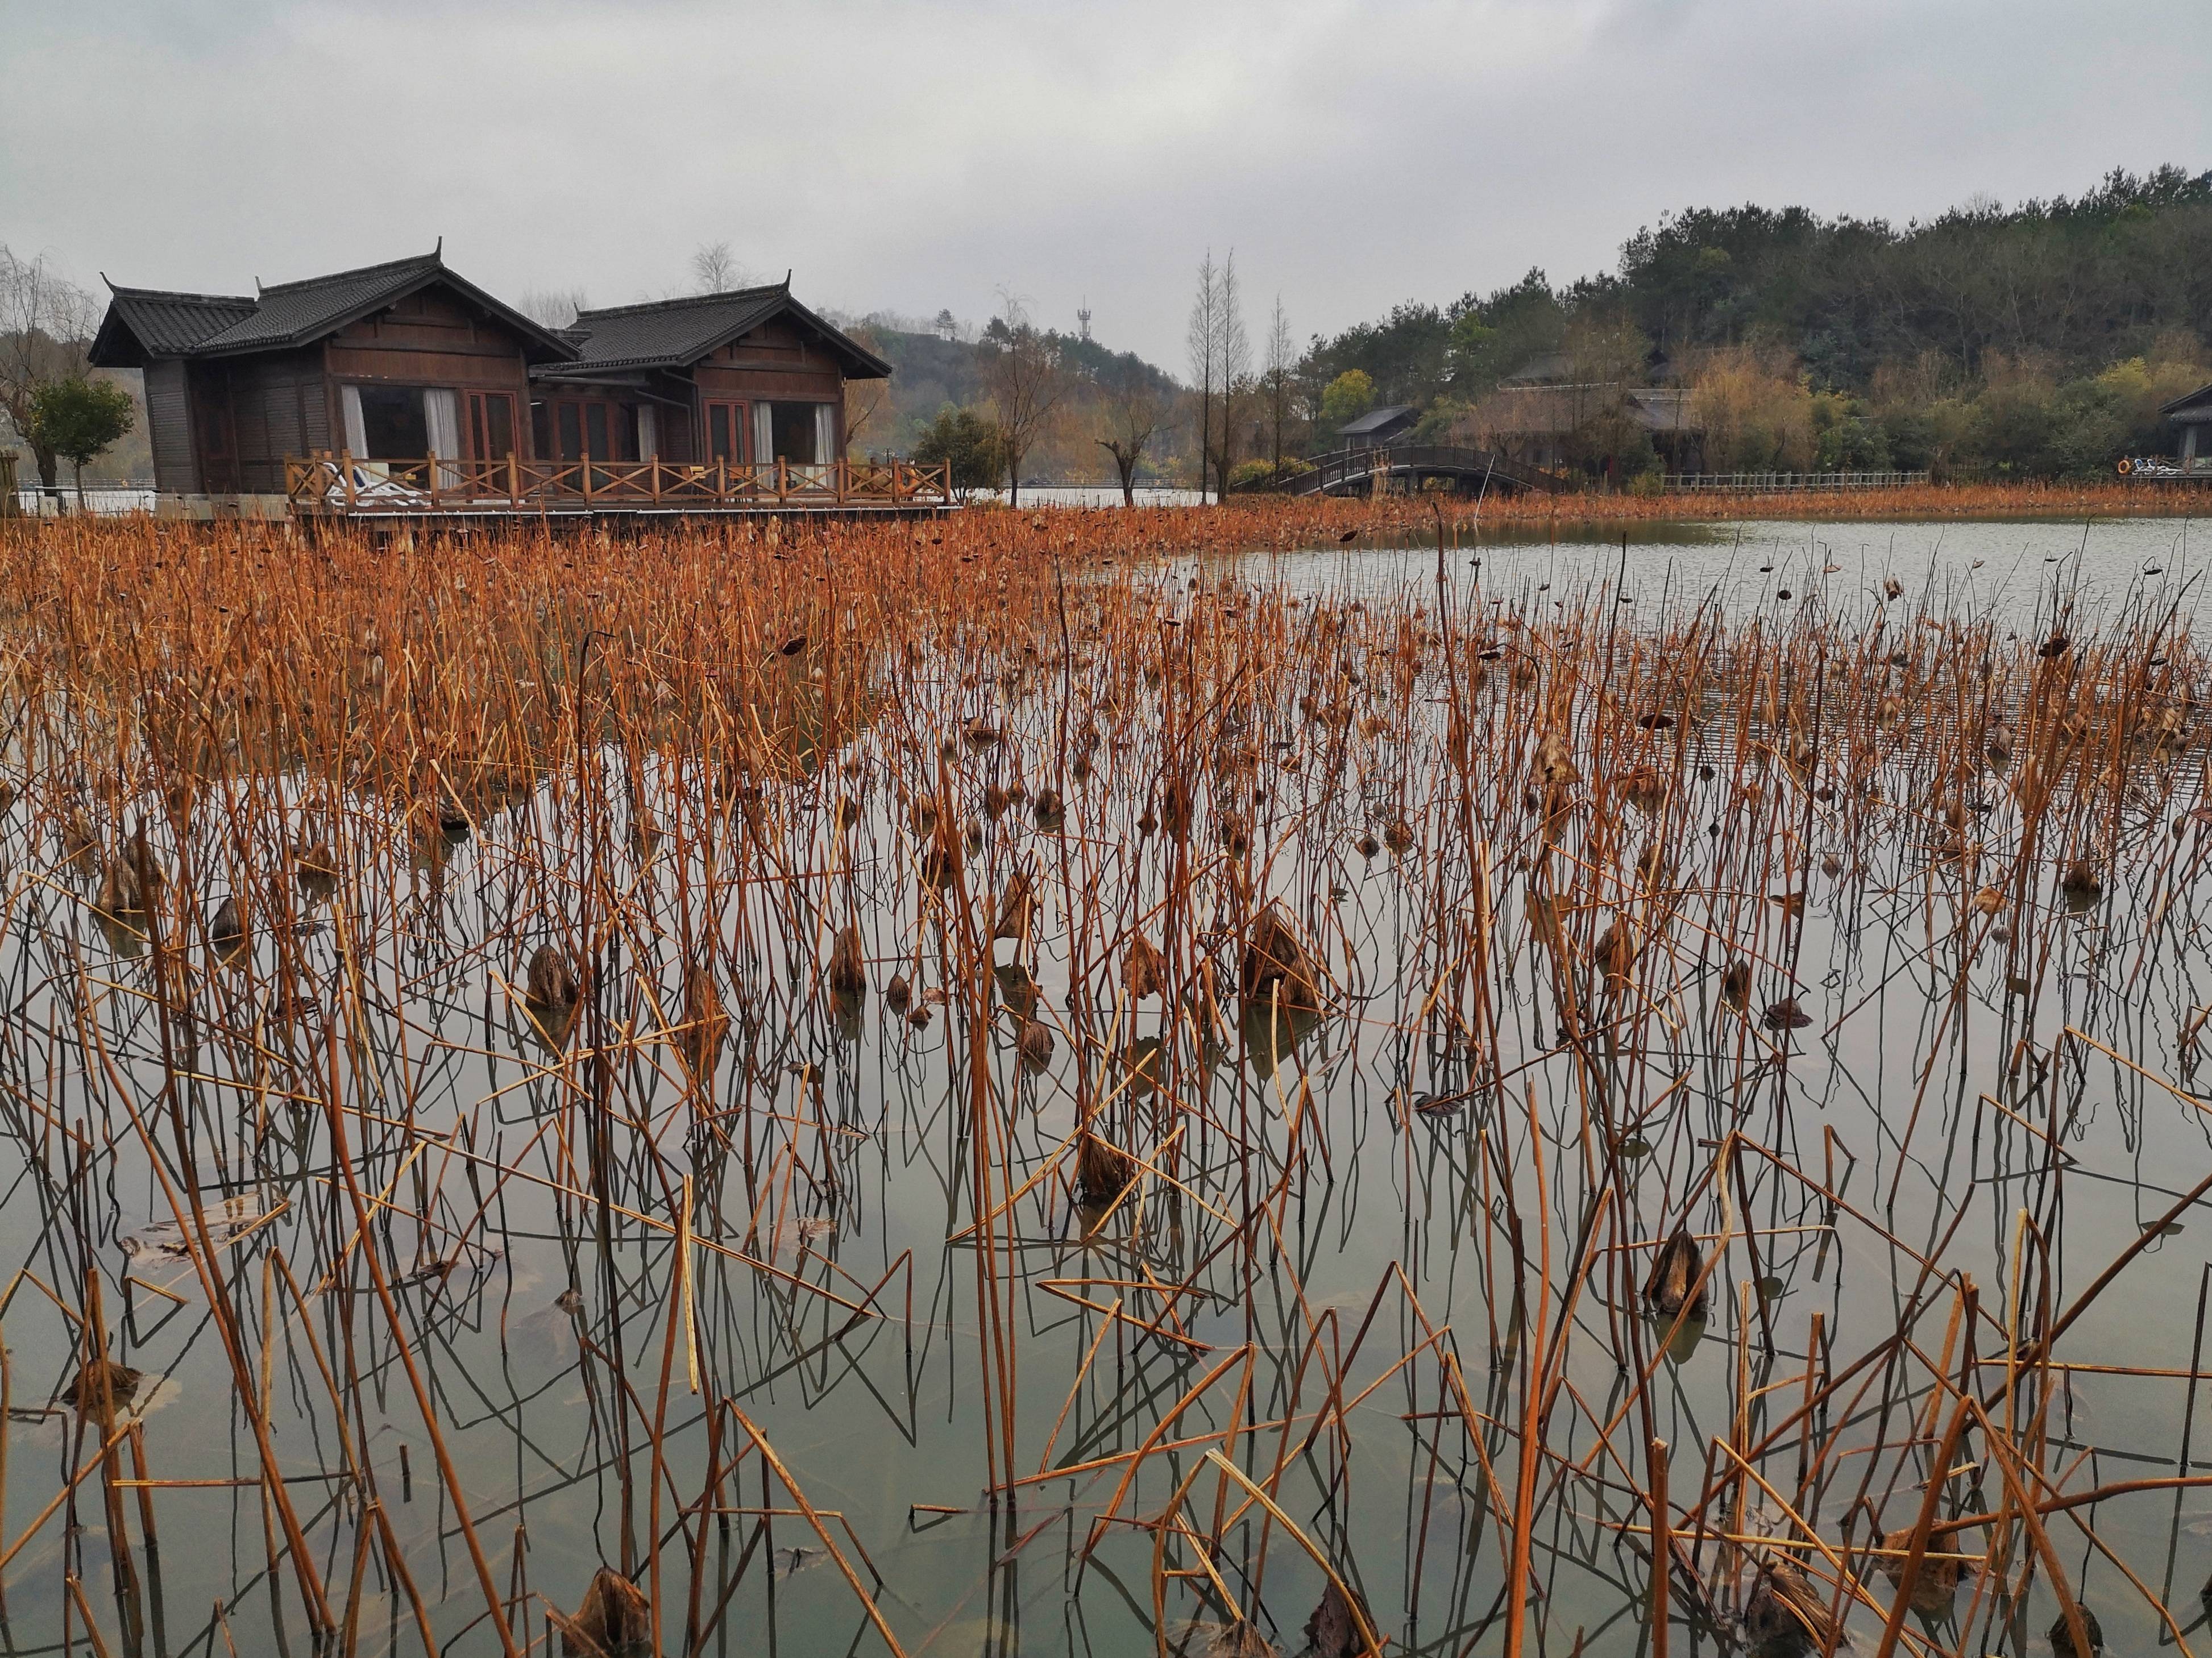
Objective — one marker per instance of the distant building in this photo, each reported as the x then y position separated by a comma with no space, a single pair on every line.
1546,424
1378,427
2191,415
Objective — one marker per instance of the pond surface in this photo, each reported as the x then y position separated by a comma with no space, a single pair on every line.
726,1236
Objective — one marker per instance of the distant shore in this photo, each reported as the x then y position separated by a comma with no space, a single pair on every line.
1930,501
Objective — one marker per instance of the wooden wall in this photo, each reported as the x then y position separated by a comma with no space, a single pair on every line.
772,362
169,427
430,339
277,405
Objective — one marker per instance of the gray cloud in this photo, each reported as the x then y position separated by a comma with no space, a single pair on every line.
915,156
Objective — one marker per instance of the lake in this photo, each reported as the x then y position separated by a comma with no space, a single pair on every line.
1017,1113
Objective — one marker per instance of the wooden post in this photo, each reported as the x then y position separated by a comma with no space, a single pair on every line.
514,480
587,477
345,464
430,477
721,480
783,479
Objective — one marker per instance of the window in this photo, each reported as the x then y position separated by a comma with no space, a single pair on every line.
793,424
726,432
606,430
491,425
392,423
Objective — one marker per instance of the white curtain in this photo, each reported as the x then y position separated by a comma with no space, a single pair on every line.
825,435
357,429
764,438
648,431
441,416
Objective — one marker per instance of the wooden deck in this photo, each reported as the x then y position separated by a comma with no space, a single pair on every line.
339,486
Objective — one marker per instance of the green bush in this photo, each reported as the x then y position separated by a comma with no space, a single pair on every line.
969,441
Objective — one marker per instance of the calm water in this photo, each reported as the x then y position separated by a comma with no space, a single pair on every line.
834,1147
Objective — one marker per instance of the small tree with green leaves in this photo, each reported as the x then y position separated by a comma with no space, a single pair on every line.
79,420
967,441
1350,395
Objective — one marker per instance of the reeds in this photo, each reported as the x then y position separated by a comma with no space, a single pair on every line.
1356,1068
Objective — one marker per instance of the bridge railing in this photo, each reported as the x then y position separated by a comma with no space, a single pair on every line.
1326,473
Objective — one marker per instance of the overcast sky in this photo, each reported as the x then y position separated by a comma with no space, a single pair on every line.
912,156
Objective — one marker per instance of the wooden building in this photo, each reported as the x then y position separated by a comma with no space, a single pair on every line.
747,378
393,362
2191,418
1378,428
403,390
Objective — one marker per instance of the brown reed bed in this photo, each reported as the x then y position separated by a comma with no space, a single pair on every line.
631,1086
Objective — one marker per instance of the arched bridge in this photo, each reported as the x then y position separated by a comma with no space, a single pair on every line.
1413,467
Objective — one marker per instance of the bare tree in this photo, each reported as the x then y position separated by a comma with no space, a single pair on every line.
1203,336
1233,361
1129,413
714,269
46,324
1282,362
1022,373
863,399
553,307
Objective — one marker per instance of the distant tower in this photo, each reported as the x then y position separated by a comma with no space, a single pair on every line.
1082,319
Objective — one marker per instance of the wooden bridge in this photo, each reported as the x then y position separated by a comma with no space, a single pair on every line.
1413,467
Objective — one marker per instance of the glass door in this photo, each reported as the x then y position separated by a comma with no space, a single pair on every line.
492,426
725,432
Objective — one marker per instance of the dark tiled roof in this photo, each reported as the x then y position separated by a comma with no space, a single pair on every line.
1375,420
162,325
676,333
291,313
2201,398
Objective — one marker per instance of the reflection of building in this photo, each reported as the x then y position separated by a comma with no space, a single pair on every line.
402,361
2192,415
1378,427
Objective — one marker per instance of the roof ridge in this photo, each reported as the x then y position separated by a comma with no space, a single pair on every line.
181,294
682,300
417,261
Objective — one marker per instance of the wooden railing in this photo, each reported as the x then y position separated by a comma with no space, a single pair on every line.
339,485
1785,483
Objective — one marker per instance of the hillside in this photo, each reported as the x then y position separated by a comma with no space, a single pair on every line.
2032,340
932,373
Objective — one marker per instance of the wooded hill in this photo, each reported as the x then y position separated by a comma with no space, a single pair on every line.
2038,338
933,372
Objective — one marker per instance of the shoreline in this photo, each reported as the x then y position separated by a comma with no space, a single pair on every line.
1931,503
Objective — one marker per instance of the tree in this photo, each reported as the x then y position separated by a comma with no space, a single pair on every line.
968,441
1235,362
46,323
1756,414
714,269
1350,395
1282,366
1128,415
77,419
1202,338
553,307
1023,371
